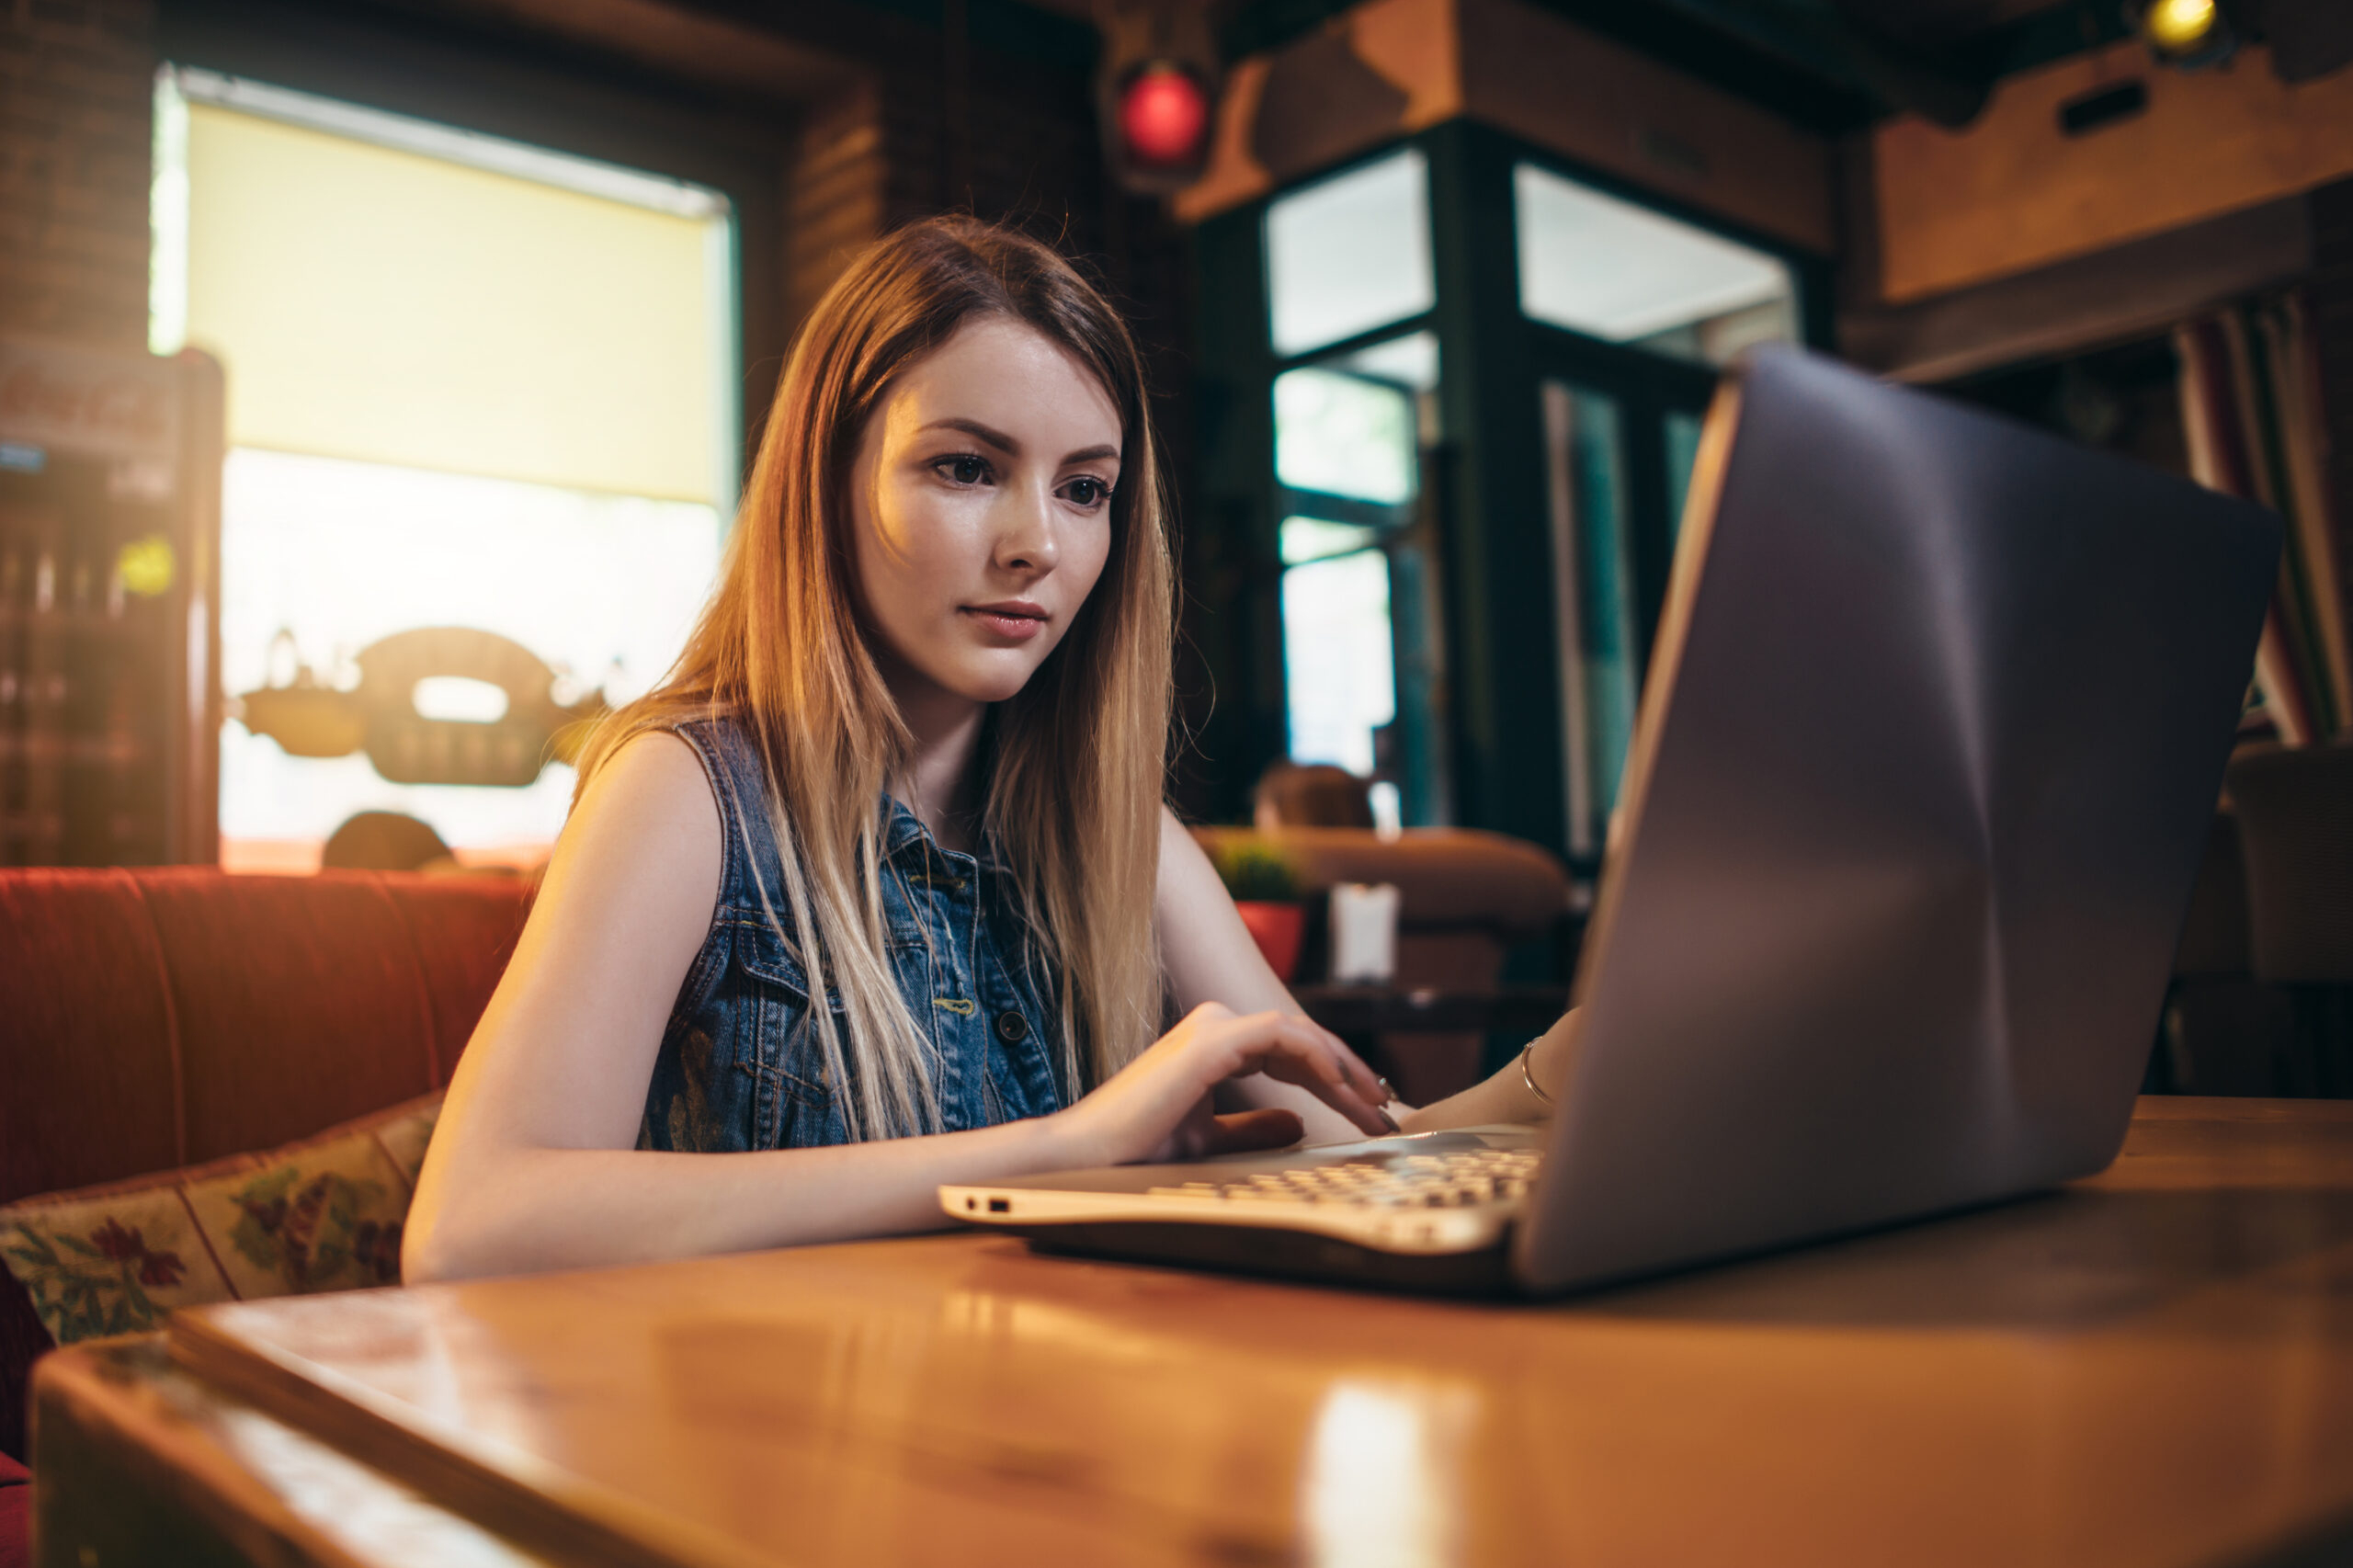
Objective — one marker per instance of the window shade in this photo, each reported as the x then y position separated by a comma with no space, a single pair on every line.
377,304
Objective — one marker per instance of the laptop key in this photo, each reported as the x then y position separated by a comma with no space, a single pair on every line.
1417,1181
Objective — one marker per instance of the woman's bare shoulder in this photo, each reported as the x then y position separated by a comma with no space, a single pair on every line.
656,769
647,824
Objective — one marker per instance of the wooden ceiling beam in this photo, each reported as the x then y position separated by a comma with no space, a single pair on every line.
674,41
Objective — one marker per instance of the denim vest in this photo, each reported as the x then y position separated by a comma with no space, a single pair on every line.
742,1066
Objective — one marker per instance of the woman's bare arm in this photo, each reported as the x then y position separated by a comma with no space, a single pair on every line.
532,1166
1504,1095
1210,956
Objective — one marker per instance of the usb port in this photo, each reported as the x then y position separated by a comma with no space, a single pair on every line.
1000,1205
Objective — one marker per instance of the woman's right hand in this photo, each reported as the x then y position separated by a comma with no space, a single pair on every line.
1159,1107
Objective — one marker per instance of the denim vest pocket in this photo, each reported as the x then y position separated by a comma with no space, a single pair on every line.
780,1050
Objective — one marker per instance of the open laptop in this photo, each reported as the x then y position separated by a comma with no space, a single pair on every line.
1935,725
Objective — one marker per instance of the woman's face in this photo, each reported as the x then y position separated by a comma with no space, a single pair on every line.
982,507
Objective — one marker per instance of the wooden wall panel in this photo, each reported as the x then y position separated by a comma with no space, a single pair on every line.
2012,193
1559,86
1409,43
1549,81
2134,289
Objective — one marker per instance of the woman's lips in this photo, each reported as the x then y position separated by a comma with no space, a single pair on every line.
1014,626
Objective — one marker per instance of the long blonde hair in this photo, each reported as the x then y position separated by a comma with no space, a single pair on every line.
1078,753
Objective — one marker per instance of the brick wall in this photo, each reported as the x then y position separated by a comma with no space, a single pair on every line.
75,89
946,126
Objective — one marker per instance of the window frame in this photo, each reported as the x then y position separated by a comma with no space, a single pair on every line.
1496,729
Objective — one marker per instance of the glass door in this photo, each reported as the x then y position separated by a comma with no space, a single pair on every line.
1360,677
1451,394
1353,396
1632,312
1616,467
1593,594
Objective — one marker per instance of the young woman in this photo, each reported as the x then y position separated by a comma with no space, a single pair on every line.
877,891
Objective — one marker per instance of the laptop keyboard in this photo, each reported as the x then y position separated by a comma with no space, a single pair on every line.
1409,1181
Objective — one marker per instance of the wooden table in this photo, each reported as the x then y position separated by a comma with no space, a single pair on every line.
2154,1367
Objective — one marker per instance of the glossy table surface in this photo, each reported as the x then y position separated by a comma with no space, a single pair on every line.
2152,1367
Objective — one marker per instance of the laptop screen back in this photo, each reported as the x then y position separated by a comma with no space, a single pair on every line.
1936,722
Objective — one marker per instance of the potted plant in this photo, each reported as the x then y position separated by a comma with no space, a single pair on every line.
1265,889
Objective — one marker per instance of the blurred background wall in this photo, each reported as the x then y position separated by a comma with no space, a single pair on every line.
1424,540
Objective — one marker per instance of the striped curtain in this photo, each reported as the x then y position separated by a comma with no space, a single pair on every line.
2251,411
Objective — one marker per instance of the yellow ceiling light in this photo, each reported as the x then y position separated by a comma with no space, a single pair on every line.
2176,27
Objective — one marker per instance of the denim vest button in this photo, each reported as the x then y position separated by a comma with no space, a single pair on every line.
1011,1027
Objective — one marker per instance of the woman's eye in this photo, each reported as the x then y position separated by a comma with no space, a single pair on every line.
1086,491
963,469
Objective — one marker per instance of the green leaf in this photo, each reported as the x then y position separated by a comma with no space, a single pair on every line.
35,1257
36,1243
257,1245
1255,871
269,1184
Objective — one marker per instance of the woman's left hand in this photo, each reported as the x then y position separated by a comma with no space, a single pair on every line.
1159,1107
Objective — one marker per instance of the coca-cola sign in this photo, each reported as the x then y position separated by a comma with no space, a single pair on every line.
84,400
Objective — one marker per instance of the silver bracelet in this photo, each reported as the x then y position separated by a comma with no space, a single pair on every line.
1528,1075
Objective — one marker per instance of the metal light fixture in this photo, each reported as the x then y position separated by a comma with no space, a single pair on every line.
2179,27
1157,91
2186,33
1164,119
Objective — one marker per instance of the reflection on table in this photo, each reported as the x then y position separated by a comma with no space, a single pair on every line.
2152,1367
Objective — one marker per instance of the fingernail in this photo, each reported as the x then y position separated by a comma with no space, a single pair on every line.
1386,1119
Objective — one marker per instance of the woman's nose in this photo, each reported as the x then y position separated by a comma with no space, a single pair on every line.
1025,538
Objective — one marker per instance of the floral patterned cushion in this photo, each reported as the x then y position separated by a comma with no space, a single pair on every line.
322,1214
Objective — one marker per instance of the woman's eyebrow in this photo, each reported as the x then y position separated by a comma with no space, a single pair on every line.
1011,448
980,432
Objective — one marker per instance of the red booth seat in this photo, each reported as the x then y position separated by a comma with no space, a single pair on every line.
161,1017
